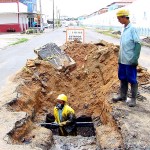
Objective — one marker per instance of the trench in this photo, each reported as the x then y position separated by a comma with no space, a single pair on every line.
84,125
85,138
88,87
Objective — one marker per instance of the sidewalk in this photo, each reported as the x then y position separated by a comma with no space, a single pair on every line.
6,39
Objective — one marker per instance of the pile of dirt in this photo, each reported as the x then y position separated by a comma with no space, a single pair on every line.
87,86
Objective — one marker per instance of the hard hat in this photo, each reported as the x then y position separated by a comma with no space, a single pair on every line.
62,97
122,12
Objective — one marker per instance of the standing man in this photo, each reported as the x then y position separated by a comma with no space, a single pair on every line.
128,59
64,117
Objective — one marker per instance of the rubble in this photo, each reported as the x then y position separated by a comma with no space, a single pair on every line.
146,40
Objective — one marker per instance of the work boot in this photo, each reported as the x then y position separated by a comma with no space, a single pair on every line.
132,101
123,92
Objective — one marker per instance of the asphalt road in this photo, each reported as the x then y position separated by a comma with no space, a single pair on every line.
13,58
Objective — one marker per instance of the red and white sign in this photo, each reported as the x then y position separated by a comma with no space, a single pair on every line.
75,34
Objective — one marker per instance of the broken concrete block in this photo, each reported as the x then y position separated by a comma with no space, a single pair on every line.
55,56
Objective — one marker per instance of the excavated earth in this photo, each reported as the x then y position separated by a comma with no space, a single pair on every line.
90,85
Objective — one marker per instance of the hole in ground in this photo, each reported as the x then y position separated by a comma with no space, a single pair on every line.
85,138
84,125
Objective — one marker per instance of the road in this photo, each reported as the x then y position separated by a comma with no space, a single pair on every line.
13,58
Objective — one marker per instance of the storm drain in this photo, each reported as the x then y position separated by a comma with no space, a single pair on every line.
85,138
84,124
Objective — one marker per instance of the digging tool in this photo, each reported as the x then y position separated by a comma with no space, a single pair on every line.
52,125
78,124
84,124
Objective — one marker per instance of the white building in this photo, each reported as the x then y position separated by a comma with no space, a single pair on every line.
13,16
139,17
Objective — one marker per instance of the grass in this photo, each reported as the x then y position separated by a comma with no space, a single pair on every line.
108,33
22,40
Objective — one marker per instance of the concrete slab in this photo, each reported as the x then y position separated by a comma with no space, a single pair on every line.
55,56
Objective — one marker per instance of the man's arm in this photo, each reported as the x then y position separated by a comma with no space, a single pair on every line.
135,58
137,47
71,119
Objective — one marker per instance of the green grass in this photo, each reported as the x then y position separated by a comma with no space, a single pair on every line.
108,33
22,40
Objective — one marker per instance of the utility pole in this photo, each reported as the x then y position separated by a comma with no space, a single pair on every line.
53,16
59,17
40,15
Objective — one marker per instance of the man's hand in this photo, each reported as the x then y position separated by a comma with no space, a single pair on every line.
62,123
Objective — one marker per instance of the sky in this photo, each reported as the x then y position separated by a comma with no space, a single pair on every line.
73,8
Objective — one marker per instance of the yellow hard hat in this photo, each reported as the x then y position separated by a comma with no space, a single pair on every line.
122,12
62,97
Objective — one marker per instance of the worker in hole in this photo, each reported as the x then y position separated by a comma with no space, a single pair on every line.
129,53
65,117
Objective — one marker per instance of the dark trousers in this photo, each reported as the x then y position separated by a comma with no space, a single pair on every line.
127,73
63,132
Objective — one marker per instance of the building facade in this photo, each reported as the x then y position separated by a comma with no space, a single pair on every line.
32,10
31,4
13,16
140,18
16,15
103,10
119,4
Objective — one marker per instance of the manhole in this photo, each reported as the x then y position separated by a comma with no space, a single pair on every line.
84,124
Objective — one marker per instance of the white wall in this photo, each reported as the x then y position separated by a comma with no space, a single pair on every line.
13,18
8,18
139,16
23,8
137,11
8,7
9,13
12,8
